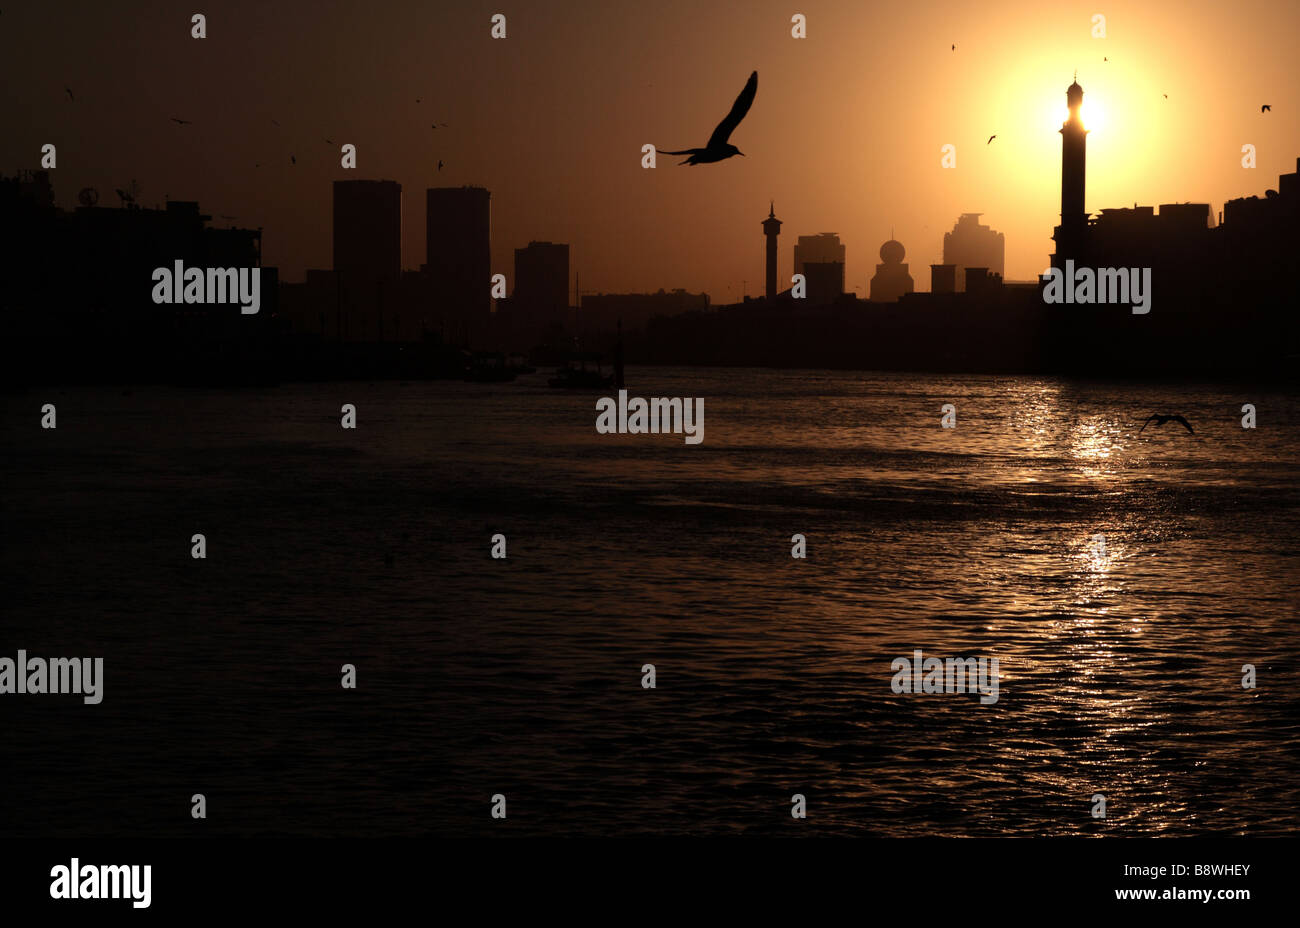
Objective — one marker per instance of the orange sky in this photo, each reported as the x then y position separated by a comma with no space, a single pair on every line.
845,133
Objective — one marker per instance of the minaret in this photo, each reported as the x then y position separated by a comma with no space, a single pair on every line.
771,228
1071,234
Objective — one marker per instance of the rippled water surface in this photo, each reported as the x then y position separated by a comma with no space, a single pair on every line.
1121,662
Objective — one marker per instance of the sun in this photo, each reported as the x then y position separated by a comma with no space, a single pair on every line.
1093,114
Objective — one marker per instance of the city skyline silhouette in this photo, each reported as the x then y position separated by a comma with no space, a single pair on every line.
842,139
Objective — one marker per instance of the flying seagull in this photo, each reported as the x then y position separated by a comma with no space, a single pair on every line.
1161,420
274,123
954,48
1266,108
329,141
439,165
718,147
293,160
68,90
180,122
991,138
1166,96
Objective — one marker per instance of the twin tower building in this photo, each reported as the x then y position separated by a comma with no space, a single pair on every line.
373,297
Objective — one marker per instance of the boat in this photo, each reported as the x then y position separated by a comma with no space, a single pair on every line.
580,378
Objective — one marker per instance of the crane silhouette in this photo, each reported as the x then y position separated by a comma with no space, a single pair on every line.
718,148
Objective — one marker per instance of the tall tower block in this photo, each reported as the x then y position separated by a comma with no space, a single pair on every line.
1072,233
771,229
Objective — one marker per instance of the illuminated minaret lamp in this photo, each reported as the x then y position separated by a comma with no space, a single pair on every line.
1072,233
771,228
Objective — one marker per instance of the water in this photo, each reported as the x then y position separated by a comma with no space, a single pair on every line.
1121,667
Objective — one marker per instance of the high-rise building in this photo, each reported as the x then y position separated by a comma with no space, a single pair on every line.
1071,235
367,253
973,244
771,229
825,280
542,282
820,249
459,257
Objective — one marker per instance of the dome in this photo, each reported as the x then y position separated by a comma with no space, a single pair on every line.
892,252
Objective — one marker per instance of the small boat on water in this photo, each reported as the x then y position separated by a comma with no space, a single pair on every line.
580,378
489,367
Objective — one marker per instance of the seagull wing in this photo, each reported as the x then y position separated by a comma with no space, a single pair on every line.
738,111
1187,425
1148,422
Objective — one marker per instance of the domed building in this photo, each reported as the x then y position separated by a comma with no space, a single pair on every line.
892,279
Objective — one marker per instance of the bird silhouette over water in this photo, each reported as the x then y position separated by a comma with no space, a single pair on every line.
180,122
718,148
991,138
68,91
439,165
1266,108
1162,419
293,160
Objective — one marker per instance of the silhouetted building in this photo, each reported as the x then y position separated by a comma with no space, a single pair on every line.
825,280
459,257
541,291
1072,231
892,279
973,244
771,229
943,278
601,312
368,253
821,249
79,284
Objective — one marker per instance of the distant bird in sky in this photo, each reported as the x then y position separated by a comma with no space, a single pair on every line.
329,141
954,48
718,148
439,165
1266,108
1162,419
1105,58
274,123
69,92
181,122
417,99
991,138
293,160
1166,96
